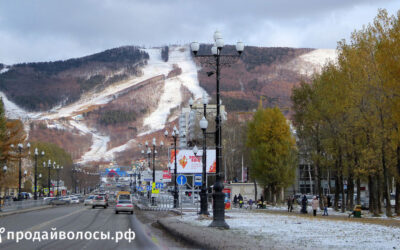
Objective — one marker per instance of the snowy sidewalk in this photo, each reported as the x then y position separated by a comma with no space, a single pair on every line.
272,230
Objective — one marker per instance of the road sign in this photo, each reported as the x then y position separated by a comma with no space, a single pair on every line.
159,185
140,189
154,190
148,188
181,180
197,180
45,190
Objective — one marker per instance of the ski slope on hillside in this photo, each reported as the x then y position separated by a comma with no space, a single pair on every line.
313,62
171,97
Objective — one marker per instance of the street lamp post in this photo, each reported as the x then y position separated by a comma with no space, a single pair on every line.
20,147
203,192
175,134
48,176
36,163
218,195
148,161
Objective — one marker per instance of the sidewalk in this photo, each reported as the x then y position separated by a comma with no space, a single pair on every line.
2,214
210,238
266,229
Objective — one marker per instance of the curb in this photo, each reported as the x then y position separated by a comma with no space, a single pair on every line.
3,214
206,237
166,224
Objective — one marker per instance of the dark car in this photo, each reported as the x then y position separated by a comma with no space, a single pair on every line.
58,201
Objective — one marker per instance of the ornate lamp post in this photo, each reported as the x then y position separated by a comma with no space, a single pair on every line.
36,163
154,162
218,195
20,147
175,135
49,164
203,192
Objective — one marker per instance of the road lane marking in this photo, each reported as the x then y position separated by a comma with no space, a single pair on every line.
36,227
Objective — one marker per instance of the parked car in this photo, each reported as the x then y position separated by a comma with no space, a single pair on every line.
124,206
59,201
100,201
89,200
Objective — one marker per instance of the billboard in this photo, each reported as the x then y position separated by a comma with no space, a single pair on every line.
188,163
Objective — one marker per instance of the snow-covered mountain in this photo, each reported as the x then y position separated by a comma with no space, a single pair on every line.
155,91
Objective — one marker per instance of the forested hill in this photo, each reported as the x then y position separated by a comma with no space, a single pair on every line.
41,86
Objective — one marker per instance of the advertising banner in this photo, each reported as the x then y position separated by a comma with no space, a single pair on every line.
188,163
166,176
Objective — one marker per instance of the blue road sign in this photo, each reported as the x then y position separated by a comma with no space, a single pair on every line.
197,180
159,185
148,188
181,180
140,188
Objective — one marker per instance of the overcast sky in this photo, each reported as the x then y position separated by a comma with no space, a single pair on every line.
43,30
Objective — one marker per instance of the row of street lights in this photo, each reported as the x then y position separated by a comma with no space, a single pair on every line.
53,166
218,195
50,166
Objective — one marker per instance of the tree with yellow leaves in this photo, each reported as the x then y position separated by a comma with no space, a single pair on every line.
272,150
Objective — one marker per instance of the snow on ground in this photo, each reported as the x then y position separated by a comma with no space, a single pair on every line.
99,143
312,62
293,232
109,155
155,66
4,70
13,111
171,97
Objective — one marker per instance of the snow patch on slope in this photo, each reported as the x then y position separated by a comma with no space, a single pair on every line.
13,111
4,70
171,97
313,62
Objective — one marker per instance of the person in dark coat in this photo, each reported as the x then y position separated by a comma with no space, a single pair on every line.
290,204
235,200
304,205
240,198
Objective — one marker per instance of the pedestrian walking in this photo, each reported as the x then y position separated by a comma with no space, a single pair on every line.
315,205
240,198
304,205
251,204
235,200
290,204
326,204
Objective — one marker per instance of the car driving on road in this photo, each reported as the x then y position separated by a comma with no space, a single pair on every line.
124,206
89,200
99,201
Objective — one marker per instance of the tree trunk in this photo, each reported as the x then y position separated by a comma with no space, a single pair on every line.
386,192
342,207
379,193
255,189
337,190
350,192
358,191
397,209
373,208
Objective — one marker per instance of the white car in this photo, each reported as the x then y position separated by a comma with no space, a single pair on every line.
74,200
89,200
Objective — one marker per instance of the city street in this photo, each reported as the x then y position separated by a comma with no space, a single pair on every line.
80,218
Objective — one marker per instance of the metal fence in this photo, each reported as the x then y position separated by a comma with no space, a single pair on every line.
165,202
10,205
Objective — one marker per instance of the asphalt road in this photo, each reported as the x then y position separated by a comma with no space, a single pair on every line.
79,218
